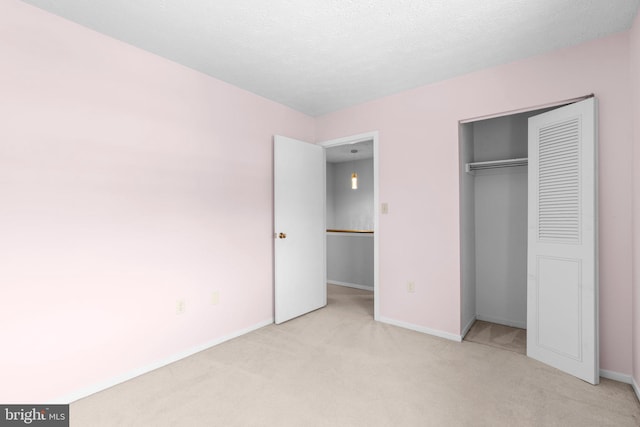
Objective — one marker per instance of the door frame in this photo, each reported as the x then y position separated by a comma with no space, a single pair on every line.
353,139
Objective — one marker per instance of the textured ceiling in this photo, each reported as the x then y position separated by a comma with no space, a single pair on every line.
319,56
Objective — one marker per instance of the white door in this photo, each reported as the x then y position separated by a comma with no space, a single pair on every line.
300,265
562,285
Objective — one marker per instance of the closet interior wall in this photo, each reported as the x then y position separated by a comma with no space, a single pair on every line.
494,222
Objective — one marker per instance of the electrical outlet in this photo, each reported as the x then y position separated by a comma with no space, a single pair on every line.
215,298
181,306
411,286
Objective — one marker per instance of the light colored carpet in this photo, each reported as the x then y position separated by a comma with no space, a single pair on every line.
499,336
338,367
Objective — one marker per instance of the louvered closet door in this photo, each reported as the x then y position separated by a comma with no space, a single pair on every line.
562,287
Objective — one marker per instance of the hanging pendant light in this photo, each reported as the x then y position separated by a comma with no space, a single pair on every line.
354,175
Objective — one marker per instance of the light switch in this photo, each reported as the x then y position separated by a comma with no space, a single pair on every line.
384,209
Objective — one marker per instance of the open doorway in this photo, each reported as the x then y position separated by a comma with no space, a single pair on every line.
352,220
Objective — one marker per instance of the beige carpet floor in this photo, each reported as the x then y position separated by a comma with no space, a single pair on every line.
499,336
338,367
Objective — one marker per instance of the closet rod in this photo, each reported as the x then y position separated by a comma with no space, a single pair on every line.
495,164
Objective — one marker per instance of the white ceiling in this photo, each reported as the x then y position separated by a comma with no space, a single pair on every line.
319,56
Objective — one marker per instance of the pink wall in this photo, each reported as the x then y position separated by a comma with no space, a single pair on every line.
418,161
127,182
635,85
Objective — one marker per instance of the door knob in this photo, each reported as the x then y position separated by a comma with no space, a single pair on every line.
282,235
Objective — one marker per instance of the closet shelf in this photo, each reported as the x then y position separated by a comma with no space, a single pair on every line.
495,164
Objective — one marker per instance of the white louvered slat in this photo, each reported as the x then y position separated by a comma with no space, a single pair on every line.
559,180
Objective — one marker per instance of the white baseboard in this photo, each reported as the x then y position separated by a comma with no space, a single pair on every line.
514,324
350,285
87,391
616,376
636,388
417,328
623,378
467,327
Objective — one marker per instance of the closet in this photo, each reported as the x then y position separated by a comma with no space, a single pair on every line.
529,230
493,156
